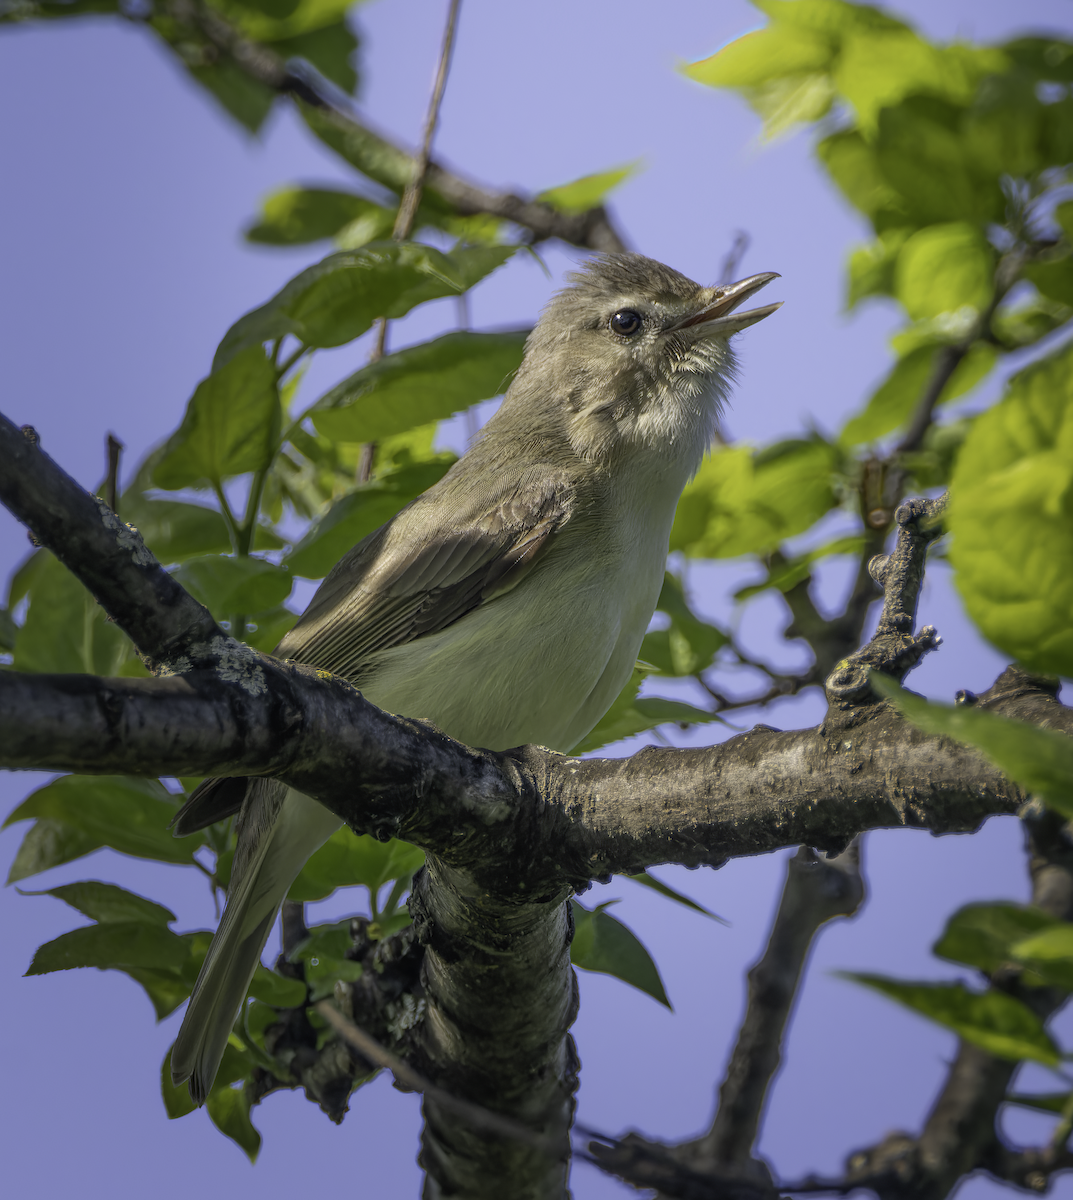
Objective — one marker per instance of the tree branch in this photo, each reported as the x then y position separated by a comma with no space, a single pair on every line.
591,230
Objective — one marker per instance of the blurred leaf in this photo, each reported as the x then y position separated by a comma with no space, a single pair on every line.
166,989
1040,760
420,384
339,298
293,216
275,990
175,530
324,955
347,860
9,631
130,815
1011,516
266,632
650,881
359,514
605,945
981,935
897,397
1049,953
231,425
66,630
115,944
372,155
923,154
690,644
330,49
631,714
993,1020
246,99
932,465
854,166
1024,323
226,584
871,267
944,268
745,503
229,1110
589,191
765,54
790,573
105,902
1053,279
1048,1102
274,20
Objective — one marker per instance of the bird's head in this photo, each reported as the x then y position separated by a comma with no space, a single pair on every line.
635,356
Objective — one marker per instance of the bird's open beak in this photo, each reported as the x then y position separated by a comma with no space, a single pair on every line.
718,318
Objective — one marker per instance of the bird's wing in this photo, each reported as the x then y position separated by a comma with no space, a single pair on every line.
415,575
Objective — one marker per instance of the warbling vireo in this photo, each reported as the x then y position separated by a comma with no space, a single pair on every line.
507,604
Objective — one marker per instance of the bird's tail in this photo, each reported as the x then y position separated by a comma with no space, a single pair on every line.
278,831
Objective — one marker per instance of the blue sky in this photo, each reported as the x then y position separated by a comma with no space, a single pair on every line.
123,194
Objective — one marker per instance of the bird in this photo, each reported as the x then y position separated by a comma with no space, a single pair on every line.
507,603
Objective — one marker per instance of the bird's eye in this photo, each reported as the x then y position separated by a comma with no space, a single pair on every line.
626,322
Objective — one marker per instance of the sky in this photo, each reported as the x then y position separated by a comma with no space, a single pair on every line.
123,194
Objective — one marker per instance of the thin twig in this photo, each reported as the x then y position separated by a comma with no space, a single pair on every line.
734,256
115,448
404,219
480,1118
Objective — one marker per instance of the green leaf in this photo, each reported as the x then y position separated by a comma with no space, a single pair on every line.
745,503
923,154
355,516
275,990
372,155
115,944
324,955
231,425
105,902
339,298
48,843
944,268
791,572
853,165
1011,516
631,714
166,989
871,267
605,945
993,1020
420,384
765,54
589,191
650,881
981,935
66,630
229,1110
690,644
1024,323
266,632
1053,279
1047,1102
330,49
294,216
897,397
130,815
174,530
226,584
177,1099
347,859
244,98
1040,760
1049,954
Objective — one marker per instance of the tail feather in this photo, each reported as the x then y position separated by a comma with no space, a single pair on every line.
278,831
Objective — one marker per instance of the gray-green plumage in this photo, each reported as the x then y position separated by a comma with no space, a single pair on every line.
506,604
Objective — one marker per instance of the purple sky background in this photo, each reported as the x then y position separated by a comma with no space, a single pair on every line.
123,194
